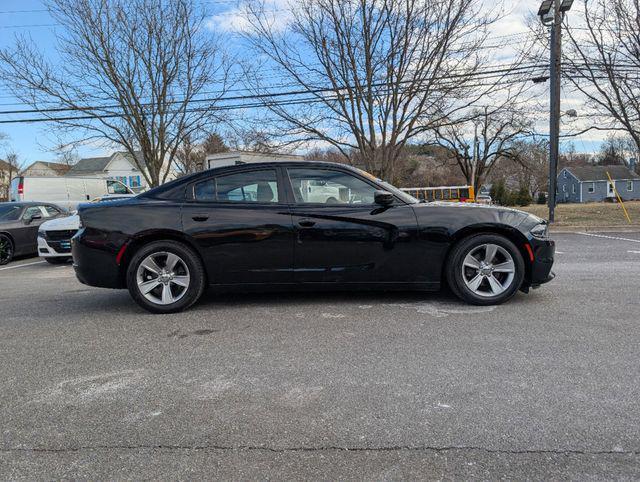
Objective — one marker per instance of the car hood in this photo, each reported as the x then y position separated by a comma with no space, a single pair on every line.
470,213
61,224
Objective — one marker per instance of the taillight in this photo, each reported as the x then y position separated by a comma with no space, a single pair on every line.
21,187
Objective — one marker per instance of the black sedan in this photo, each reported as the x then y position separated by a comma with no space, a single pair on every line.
19,224
303,225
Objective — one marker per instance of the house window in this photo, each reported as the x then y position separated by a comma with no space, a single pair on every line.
629,185
573,189
591,187
564,188
564,174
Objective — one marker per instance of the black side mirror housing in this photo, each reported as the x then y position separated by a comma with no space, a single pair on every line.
384,198
33,217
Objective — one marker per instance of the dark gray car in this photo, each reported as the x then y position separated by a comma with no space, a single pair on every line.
19,224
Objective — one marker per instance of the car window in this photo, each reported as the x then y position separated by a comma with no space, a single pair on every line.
51,211
9,213
115,187
31,211
243,187
326,186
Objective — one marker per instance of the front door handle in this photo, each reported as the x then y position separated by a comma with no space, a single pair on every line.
200,217
306,223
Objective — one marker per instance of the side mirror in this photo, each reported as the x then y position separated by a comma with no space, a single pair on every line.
33,217
384,198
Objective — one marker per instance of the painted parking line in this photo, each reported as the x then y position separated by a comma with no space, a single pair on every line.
633,251
617,238
22,265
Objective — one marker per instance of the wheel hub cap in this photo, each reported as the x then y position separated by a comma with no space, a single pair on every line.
163,278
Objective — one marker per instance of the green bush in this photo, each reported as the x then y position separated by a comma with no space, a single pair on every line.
542,198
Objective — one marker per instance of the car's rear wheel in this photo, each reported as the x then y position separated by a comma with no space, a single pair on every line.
165,277
6,249
485,269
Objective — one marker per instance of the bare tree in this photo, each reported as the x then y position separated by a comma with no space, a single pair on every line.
9,168
66,154
374,74
603,63
129,74
478,145
191,156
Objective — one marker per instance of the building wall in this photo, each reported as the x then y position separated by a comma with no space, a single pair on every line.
568,188
625,194
599,191
38,169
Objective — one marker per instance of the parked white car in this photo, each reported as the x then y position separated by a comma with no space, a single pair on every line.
66,192
54,237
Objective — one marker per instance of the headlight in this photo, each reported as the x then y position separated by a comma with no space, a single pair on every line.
540,231
40,233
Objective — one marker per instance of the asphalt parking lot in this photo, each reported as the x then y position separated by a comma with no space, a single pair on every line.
330,386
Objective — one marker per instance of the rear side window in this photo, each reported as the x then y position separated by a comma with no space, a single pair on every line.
243,187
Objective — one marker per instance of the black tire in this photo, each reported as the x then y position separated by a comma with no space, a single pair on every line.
454,269
196,276
57,260
6,249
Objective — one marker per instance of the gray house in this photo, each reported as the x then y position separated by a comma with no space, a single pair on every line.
590,184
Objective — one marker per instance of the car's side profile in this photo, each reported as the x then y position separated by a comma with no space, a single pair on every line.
19,224
301,225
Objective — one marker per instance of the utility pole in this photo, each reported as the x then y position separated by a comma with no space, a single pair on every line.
552,13
554,117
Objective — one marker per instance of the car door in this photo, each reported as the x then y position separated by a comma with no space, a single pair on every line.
341,235
242,226
31,219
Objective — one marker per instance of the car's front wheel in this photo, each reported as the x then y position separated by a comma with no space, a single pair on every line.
485,269
6,249
165,277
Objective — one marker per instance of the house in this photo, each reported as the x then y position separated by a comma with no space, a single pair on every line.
118,166
590,184
45,169
6,172
232,158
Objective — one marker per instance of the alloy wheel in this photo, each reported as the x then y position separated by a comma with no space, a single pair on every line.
163,278
6,250
488,270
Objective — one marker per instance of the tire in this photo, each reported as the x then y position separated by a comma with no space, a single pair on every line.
159,288
478,280
58,260
6,249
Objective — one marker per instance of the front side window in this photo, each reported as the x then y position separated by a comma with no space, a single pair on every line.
116,187
325,186
51,211
243,187
32,211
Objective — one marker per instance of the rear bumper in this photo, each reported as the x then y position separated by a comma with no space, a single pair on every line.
543,257
94,263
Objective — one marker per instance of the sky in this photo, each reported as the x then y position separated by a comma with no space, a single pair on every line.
35,141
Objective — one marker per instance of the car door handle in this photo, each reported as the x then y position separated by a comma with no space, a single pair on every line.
306,223
200,217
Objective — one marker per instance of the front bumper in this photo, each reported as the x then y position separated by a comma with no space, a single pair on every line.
54,249
543,257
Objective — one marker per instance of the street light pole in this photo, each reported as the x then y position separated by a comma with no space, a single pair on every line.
551,13
554,117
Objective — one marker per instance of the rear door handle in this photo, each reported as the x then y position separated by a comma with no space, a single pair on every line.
200,217
306,223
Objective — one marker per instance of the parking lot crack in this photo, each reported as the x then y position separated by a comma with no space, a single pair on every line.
264,448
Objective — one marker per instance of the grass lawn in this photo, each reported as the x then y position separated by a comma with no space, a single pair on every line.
590,214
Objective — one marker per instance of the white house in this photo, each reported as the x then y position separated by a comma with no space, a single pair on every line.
45,169
119,166
232,158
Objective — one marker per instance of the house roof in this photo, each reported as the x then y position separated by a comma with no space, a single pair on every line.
99,164
4,166
599,173
90,164
60,169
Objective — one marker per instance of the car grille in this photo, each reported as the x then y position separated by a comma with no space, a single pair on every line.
65,235
60,241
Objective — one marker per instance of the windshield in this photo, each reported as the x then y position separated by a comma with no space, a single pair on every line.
9,213
392,189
